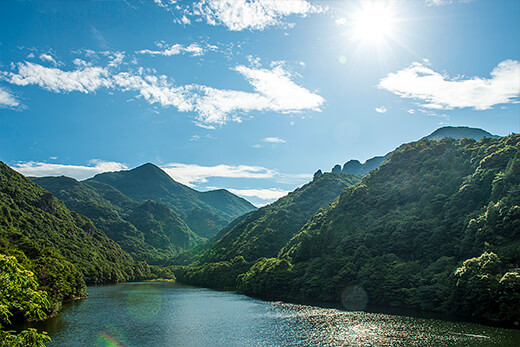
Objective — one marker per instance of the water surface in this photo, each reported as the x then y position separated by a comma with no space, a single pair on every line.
169,314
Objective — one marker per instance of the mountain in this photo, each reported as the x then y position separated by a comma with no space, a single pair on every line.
458,133
262,233
148,231
204,212
63,248
436,227
355,167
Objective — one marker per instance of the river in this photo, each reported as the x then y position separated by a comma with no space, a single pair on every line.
170,314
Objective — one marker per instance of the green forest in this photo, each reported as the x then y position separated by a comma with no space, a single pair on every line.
262,233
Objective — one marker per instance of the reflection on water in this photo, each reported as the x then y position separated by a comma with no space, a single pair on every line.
169,314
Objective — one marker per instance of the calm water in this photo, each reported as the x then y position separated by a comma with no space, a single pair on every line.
168,314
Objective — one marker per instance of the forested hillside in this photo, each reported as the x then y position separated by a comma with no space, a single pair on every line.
148,230
64,249
436,227
262,233
204,212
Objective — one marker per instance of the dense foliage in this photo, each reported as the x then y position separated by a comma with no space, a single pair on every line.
402,232
19,295
204,212
149,231
262,233
221,275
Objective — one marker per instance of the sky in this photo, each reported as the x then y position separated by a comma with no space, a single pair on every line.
250,96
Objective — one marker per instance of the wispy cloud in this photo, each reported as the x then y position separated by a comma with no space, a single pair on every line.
193,49
381,109
274,89
7,100
48,58
238,15
198,137
191,174
439,91
274,140
442,2
80,172
268,194
100,38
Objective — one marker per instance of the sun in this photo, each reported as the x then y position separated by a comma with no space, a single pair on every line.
373,22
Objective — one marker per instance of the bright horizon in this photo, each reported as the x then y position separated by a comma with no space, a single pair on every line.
252,98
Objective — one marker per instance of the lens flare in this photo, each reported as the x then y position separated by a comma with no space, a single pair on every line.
354,298
106,340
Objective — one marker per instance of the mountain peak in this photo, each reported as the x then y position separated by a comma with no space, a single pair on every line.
147,166
459,132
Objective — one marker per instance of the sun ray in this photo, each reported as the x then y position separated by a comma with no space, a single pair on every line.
373,22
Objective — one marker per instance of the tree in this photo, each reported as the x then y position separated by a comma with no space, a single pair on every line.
477,286
19,294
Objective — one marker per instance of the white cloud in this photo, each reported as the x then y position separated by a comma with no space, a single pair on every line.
183,20
237,15
381,109
81,63
269,194
279,91
254,61
159,3
191,174
439,91
48,58
80,172
85,80
116,59
411,111
341,21
198,137
274,90
7,100
274,140
194,49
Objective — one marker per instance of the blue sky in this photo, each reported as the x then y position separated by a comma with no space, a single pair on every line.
252,96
